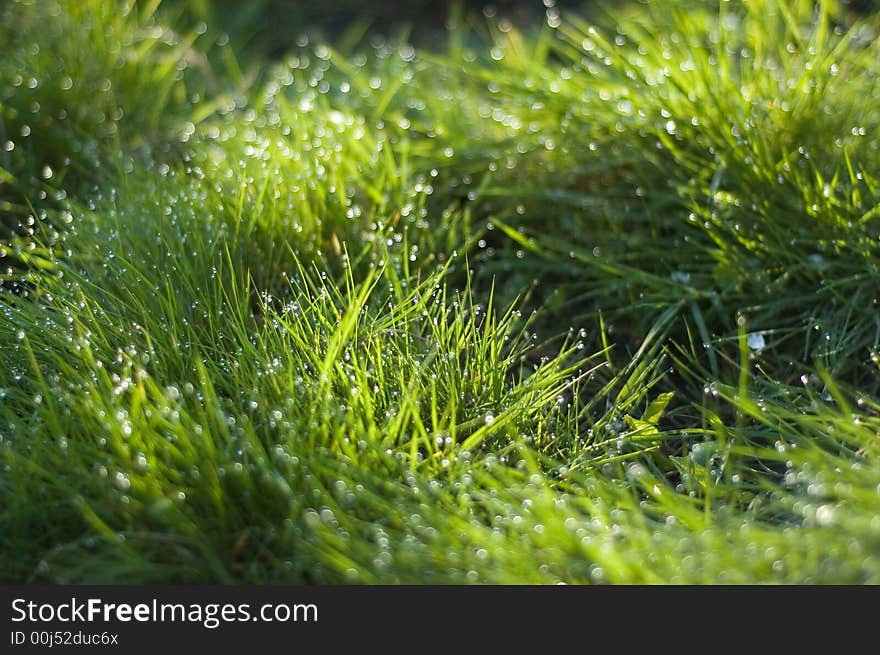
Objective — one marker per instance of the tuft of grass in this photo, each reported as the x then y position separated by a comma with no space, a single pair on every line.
580,302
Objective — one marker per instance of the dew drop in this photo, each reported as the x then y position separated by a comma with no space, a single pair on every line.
756,341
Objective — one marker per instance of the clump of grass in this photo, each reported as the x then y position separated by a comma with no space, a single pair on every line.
287,333
719,160
87,88
76,76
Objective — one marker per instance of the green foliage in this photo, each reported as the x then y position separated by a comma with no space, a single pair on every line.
582,302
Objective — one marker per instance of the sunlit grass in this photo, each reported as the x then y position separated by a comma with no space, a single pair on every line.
568,303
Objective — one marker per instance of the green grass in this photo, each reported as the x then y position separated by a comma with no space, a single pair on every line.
573,302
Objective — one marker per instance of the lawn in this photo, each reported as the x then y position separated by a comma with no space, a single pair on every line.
565,294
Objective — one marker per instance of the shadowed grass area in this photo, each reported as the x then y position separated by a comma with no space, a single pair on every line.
565,302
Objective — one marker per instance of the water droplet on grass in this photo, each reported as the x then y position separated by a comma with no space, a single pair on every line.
756,341
121,481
